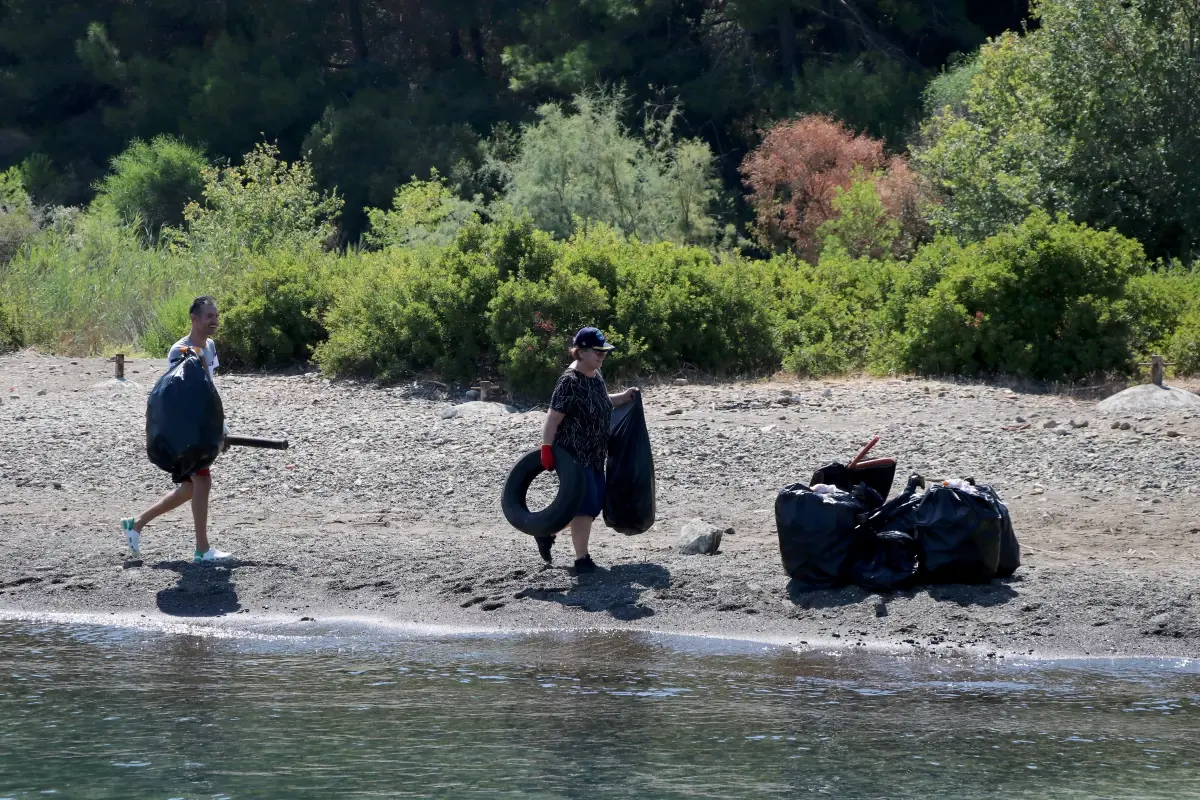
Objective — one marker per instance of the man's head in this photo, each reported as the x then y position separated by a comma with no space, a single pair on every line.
204,316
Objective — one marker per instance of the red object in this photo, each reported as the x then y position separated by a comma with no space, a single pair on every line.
547,457
861,453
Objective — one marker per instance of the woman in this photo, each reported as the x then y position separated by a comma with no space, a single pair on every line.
578,422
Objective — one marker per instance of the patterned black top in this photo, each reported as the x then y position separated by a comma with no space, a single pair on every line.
584,431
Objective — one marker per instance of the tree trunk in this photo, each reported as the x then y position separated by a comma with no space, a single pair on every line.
787,45
357,35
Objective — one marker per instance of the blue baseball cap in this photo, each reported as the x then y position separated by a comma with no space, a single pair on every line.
591,338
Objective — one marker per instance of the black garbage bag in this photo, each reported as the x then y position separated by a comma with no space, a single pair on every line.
816,533
185,421
629,484
878,476
958,534
885,561
885,556
1010,548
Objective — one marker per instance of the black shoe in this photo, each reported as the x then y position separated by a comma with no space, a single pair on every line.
544,544
584,564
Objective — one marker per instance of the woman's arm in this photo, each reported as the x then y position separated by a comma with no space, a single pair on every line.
550,427
624,398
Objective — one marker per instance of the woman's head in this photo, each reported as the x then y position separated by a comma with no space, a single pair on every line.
589,349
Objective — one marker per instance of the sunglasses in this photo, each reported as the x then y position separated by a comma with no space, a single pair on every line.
601,353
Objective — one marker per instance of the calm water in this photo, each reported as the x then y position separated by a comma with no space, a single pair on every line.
125,713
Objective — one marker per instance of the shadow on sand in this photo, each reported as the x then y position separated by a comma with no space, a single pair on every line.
615,591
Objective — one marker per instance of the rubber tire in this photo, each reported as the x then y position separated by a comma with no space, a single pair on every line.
572,488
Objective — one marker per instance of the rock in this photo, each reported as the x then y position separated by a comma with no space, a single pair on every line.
480,408
1048,424
681,382
827,393
449,412
786,392
1125,426
1020,420
1082,423
1150,399
1116,426
674,412
471,395
41,392
700,538
768,429
1038,489
1174,434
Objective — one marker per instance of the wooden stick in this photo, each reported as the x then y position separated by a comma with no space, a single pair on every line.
255,441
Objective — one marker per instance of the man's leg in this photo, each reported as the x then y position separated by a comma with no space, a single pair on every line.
172,501
201,486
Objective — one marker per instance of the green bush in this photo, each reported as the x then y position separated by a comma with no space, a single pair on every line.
1183,348
532,323
152,182
403,312
275,310
85,283
678,307
10,335
1046,299
828,312
169,322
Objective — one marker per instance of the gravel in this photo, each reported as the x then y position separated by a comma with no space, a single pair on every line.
386,506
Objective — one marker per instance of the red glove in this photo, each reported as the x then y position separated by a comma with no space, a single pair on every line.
547,458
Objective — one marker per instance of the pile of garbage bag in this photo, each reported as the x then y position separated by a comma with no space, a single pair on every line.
840,529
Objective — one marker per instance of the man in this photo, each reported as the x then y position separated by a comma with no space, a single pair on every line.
194,487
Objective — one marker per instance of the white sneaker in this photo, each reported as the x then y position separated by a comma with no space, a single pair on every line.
212,554
132,537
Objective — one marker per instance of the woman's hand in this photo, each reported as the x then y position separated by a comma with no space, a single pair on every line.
547,458
630,394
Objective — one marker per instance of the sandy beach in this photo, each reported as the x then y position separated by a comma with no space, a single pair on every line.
384,509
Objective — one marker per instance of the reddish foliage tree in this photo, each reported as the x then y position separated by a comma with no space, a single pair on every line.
793,176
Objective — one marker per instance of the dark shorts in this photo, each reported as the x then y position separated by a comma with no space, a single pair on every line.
593,498
188,478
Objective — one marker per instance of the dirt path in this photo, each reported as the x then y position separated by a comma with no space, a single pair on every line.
382,508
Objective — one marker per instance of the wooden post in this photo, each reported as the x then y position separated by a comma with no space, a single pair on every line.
485,389
1156,370
119,361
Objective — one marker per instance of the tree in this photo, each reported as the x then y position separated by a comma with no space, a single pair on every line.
1096,113
795,176
152,182
265,203
587,166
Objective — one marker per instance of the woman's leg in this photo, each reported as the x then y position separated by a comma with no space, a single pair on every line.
581,531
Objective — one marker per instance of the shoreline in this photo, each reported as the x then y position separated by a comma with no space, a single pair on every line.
385,510
290,628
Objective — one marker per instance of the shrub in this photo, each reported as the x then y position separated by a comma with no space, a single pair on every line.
423,212
1183,348
794,175
587,167
262,205
11,337
403,312
85,283
152,182
828,312
532,323
677,307
275,311
19,218
169,322
1047,299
